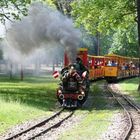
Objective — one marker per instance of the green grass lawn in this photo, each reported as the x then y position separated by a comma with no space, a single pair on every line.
131,86
24,100
97,118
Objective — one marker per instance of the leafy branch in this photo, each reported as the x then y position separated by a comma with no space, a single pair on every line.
13,9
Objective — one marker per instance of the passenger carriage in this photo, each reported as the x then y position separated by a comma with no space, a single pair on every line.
96,67
118,67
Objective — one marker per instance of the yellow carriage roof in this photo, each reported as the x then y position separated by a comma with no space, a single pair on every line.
124,58
96,56
112,55
119,56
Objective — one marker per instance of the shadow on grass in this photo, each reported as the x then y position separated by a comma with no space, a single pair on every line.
43,97
38,92
99,100
28,79
36,101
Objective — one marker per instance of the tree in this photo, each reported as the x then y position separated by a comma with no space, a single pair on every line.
106,16
100,15
124,42
64,6
138,15
13,9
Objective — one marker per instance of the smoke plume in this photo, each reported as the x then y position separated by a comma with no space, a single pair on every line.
43,27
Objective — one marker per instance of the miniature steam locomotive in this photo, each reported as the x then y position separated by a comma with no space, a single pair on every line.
73,89
74,86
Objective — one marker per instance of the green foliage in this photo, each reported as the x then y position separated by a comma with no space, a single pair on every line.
114,20
13,9
130,87
125,41
62,5
49,2
100,15
105,43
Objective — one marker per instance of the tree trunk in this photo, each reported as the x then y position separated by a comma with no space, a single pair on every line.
97,49
138,15
53,67
37,67
21,73
11,72
63,6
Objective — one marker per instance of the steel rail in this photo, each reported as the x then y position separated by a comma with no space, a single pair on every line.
37,125
52,127
131,103
129,130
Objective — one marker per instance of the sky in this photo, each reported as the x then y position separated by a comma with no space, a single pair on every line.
2,30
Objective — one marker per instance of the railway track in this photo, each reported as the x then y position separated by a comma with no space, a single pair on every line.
132,113
43,127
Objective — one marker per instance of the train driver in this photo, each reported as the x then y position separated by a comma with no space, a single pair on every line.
79,66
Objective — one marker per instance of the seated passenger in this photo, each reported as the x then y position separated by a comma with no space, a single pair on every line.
95,65
133,66
123,66
113,63
127,66
98,65
109,63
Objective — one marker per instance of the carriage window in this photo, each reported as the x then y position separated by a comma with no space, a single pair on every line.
111,63
90,63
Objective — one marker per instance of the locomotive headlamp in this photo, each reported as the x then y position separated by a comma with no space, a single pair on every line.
82,92
72,67
59,91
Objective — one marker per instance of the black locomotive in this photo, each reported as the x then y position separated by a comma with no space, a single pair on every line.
74,87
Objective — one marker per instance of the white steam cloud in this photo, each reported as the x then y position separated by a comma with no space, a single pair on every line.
43,27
